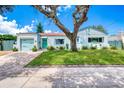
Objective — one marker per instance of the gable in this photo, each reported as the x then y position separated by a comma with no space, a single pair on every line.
91,32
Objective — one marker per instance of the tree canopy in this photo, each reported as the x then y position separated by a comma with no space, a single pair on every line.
96,27
7,37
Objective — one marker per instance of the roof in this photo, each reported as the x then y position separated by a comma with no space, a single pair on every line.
27,33
83,29
52,34
114,37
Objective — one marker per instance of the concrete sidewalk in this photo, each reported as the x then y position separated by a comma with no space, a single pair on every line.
75,77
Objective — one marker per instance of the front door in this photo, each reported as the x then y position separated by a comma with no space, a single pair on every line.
44,42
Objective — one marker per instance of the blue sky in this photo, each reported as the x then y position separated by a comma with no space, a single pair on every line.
111,17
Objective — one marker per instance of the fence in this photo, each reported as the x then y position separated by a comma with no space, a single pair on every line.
117,44
6,45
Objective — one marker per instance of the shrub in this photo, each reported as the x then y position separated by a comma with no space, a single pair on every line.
57,48
61,48
51,48
105,48
14,49
34,49
84,47
113,47
93,47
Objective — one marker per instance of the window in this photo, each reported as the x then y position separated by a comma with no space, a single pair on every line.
89,40
59,41
78,39
100,39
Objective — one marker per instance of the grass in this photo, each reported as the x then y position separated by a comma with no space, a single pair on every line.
84,57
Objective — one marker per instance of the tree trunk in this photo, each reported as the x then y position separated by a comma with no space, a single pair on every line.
73,44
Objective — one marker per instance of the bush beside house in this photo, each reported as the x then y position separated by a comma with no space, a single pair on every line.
61,48
50,48
34,49
15,49
84,47
113,47
57,48
105,48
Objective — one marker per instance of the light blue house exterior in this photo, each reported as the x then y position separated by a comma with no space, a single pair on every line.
87,37
26,41
91,38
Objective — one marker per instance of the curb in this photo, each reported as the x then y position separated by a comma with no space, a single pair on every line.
76,66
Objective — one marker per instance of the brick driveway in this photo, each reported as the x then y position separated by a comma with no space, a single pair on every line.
13,74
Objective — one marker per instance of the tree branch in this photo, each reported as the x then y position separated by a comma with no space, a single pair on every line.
52,14
79,16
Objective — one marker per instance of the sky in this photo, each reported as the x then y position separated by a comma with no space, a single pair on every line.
25,18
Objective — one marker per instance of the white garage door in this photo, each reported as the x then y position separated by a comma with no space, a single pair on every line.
27,44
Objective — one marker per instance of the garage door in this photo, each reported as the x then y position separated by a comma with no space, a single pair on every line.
27,44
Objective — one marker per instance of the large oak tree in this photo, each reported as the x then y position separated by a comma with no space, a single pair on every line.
50,11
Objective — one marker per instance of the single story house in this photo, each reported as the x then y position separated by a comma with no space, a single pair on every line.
91,38
86,37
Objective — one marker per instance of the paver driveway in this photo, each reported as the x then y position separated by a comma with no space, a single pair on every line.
13,74
13,64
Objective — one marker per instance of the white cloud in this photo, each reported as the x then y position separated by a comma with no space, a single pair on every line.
60,8
11,27
2,18
47,31
58,14
33,21
63,8
50,31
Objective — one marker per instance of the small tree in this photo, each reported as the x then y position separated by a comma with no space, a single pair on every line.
39,28
99,28
96,27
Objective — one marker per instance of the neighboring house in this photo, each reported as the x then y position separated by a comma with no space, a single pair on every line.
87,37
116,40
91,38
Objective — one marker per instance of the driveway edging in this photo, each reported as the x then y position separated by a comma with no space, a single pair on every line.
69,66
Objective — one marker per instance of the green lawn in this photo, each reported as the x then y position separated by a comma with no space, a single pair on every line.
89,57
